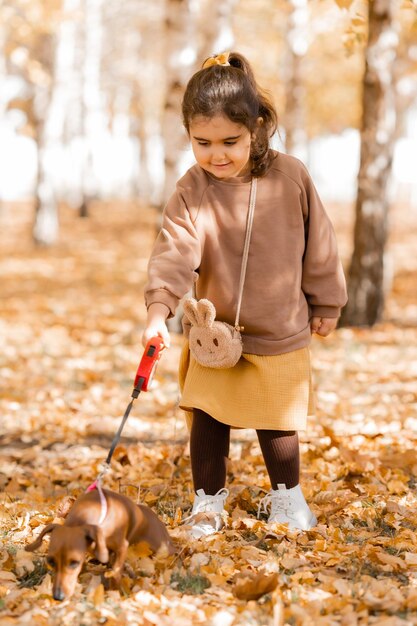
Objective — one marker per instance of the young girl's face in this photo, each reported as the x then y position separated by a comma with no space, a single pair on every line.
220,146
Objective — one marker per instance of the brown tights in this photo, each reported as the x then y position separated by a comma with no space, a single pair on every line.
209,449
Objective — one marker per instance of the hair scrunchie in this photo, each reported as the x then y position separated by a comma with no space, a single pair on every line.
217,59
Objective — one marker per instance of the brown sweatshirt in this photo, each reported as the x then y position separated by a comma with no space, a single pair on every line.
293,270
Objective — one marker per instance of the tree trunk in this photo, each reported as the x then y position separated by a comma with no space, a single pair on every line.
366,272
92,104
297,45
181,56
144,191
46,222
3,74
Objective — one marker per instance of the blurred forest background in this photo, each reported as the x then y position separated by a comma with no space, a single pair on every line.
91,145
91,91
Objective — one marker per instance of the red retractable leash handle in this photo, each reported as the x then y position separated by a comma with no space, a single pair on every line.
147,365
143,381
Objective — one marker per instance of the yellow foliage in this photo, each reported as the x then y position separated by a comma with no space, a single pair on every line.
250,586
69,347
344,4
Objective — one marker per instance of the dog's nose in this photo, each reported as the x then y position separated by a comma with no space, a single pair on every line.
59,595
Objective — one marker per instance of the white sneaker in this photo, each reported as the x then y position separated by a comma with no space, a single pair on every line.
207,515
288,506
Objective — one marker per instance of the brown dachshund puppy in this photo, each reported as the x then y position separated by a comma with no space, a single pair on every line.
125,523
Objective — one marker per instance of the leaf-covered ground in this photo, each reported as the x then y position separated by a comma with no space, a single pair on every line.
70,327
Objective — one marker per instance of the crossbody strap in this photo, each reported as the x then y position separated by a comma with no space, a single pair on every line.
249,222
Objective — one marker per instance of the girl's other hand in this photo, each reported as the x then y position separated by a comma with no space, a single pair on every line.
323,326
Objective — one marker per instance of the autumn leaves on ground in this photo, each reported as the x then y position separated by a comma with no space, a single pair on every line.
70,327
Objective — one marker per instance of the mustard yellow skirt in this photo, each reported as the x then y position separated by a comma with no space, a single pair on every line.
260,392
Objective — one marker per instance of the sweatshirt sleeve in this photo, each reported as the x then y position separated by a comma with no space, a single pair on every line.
175,257
323,281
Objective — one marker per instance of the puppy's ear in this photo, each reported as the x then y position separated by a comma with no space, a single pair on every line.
35,545
95,533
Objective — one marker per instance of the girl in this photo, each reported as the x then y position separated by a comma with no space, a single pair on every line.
294,286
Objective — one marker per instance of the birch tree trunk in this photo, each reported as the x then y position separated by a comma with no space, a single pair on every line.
366,272
29,27
181,53
46,225
3,74
92,106
144,191
297,46
62,88
73,123
133,84
46,222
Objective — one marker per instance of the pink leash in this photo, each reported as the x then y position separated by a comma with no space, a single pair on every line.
97,485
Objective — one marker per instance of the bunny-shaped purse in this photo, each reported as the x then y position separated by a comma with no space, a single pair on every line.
214,343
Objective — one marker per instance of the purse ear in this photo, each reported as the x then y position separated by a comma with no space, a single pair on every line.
190,310
206,313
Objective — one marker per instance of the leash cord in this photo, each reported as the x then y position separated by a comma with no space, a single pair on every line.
116,439
119,433
106,465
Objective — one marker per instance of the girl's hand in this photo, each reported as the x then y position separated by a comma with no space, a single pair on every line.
156,326
323,326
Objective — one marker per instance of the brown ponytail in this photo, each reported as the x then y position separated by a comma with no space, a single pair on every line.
231,90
